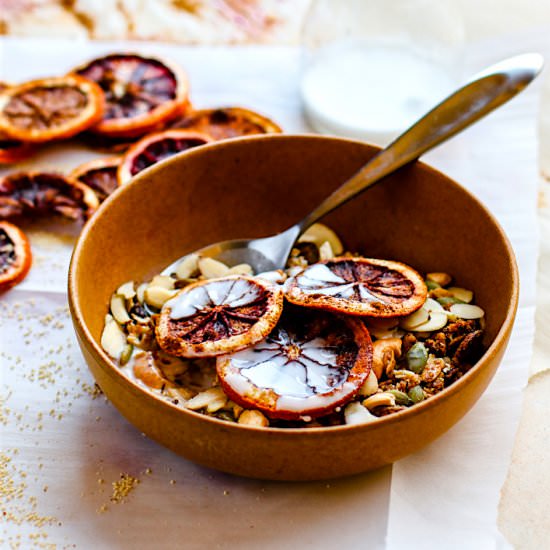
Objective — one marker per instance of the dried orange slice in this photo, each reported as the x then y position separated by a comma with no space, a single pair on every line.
99,174
31,194
15,255
359,286
227,122
50,108
219,316
156,147
141,92
310,364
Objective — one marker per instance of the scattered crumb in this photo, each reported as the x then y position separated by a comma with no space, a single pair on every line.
123,487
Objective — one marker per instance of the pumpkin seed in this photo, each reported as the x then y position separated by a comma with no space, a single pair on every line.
401,398
416,394
118,309
319,233
462,294
355,413
449,301
113,338
126,290
212,269
417,357
156,296
467,311
370,385
126,354
188,267
432,285
442,279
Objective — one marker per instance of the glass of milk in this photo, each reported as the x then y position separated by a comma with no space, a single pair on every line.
373,67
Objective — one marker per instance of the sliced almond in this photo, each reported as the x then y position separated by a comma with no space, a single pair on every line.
126,290
212,400
188,267
212,269
326,252
319,233
157,295
462,294
467,311
355,413
253,418
140,292
278,276
414,319
378,400
113,338
432,305
164,281
370,386
240,269
118,309
436,321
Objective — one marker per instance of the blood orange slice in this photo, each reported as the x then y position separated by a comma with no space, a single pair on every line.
359,286
156,147
15,255
227,122
219,316
141,92
50,108
31,194
100,175
311,363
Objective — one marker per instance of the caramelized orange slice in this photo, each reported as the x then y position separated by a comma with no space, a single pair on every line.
15,255
141,92
50,108
99,174
310,364
359,286
32,194
219,316
227,122
156,147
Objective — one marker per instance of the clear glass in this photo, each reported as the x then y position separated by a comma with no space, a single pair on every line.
371,68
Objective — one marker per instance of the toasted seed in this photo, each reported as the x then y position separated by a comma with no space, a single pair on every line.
439,293
188,267
370,385
440,278
212,269
318,233
401,398
355,413
212,400
325,252
157,295
467,311
126,290
462,294
432,285
449,301
253,418
436,321
417,357
113,338
140,292
378,400
241,269
126,354
163,281
118,309
416,394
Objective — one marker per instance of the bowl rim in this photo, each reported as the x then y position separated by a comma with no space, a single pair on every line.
103,359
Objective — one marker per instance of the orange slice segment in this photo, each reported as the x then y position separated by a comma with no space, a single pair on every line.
227,122
32,194
219,316
100,175
15,255
141,92
156,147
310,364
359,286
50,108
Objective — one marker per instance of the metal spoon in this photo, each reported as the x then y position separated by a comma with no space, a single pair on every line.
485,92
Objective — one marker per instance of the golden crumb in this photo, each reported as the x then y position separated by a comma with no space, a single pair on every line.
123,487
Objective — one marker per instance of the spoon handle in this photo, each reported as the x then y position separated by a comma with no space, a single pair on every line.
485,92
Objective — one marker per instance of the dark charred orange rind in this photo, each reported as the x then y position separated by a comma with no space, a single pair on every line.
136,125
227,122
36,194
162,144
99,174
347,331
86,115
20,261
390,306
176,336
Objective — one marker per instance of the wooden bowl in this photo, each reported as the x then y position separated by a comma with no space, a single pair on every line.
257,186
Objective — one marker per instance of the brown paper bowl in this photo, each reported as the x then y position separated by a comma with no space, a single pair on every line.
257,186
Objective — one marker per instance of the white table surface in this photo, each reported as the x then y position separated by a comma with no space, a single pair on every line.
62,447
